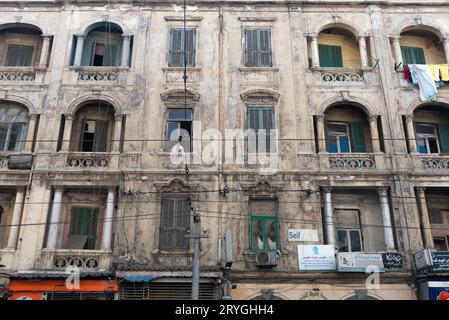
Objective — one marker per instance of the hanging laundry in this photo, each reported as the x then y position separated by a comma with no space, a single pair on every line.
444,69
412,74
426,83
435,70
407,74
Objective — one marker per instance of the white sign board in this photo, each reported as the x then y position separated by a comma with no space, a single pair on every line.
359,261
302,235
422,259
316,257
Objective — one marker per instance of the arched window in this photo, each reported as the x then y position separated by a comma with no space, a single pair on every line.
13,127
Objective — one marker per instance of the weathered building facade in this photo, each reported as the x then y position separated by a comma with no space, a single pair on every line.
91,96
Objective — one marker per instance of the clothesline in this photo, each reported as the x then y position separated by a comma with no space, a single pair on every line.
428,77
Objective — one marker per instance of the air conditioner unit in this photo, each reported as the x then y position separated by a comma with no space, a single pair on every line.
266,258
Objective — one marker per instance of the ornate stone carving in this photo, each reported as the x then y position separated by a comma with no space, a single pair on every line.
260,96
178,96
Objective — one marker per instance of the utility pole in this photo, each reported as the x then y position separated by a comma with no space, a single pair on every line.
196,255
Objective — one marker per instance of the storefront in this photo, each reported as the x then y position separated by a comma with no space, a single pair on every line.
433,274
62,289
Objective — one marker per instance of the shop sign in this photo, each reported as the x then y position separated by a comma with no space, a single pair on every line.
302,235
316,257
392,260
422,259
359,262
440,261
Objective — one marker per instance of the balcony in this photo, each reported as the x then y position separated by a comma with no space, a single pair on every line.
21,75
99,75
351,162
85,260
80,161
352,77
430,163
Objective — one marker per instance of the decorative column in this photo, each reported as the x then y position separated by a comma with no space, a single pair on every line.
30,133
374,129
397,52
45,51
363,52
386,219
55,218
125,49
16,218
329,216
446,48
67,132
321,133
425,221
411,133
79,49
117,133
107,223
315,55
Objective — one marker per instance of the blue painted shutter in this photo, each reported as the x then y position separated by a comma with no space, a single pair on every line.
358,137
86,57
443,130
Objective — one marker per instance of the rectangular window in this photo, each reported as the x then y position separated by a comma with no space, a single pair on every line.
182,40
263,225
349,236
261,120
175,221
19,56
83,228
179,124
94,135
427,138
441,244
330,56
338,137
258,48
411,55
438,216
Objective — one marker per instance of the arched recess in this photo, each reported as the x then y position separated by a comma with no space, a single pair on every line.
355,31
342,99
412,25
99,22
15,134
79,102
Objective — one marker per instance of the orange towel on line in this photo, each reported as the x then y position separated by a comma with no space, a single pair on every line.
444,68
435,70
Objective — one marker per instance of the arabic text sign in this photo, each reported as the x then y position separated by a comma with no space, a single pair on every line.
316,257
440,261
392,260
359,261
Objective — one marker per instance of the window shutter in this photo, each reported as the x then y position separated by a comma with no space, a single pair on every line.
190,47
358,137
337,57
101,136
83,125
443,130
86,57
324,55
251,48
330,56
264,45
176,46
411,55
110,55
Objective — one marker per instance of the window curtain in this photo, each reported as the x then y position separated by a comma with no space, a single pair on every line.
83,221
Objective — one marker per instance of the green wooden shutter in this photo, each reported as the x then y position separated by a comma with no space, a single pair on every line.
358,137
412,55
175,58
443,130
330,56
101,136
264,47
251,56
190,47
86,57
